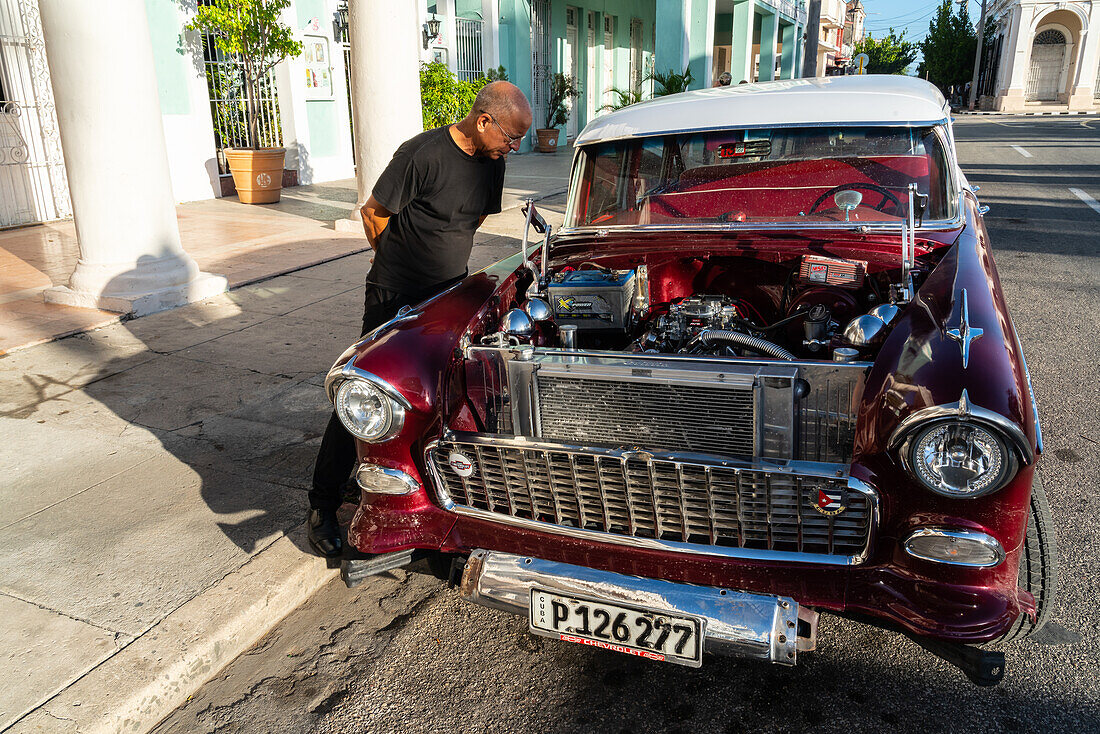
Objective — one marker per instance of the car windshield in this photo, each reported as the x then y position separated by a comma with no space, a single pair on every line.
797,175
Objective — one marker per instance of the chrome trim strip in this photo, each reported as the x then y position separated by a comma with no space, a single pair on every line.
1031,395
410,484
628,357
961,534
938,225
793,468
760,626
964,410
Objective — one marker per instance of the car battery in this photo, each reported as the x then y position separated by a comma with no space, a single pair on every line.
592,300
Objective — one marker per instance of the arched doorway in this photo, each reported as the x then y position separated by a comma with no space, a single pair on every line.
1048,54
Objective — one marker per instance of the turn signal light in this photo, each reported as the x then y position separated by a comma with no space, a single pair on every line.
955,547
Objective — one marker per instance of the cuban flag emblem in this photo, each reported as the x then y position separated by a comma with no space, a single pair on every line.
830,501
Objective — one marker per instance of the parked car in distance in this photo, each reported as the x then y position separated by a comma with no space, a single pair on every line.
764,371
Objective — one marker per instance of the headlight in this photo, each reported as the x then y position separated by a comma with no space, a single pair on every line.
959,459
366,411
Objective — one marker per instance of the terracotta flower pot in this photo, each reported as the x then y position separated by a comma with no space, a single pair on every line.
548,139
257,174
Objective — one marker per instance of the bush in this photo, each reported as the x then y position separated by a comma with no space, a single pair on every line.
446,99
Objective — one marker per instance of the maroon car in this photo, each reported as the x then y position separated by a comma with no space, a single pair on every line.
764,370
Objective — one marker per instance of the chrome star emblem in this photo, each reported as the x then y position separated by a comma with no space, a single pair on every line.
965,333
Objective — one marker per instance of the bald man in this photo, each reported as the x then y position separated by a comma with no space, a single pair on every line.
420,220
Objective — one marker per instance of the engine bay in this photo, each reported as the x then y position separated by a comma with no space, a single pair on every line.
771,306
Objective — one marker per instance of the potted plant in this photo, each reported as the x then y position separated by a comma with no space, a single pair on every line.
250,31
563,89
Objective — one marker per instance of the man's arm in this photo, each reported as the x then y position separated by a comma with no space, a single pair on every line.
375,218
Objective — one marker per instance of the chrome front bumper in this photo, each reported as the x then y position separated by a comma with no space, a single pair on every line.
758,626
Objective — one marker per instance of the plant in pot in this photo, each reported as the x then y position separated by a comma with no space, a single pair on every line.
249,31
563,89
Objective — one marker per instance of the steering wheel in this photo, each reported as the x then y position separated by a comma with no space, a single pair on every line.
887,195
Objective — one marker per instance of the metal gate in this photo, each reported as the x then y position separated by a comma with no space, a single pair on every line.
33,185
470,58
540,61
1047,56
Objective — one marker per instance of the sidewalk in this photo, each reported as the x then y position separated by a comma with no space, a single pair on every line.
154,469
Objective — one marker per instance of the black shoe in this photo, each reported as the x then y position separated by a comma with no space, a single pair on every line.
324,533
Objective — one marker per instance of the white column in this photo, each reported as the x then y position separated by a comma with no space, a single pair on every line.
1021,54
112,135
490,32
385,89
1081,95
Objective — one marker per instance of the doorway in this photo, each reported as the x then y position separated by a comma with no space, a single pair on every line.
1048,53
572,67
540,60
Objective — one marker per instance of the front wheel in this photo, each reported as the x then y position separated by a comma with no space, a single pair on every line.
1038,566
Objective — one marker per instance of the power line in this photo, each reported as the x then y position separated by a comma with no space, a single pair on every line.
918,11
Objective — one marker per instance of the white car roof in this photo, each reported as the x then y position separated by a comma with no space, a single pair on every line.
872,99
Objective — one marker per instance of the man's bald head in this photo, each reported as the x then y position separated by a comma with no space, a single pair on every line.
502,99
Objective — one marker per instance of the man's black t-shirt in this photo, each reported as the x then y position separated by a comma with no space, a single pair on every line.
437,193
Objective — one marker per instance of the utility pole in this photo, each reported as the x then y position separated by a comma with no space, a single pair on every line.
977,59
813,28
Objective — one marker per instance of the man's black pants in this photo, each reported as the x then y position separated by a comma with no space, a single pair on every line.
337,459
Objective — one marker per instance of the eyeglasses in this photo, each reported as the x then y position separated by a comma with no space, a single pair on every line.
511,141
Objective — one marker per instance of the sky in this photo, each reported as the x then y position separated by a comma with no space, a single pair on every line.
911,15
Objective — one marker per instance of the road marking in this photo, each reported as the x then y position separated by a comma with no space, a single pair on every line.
1085,123
1021,151
1091,202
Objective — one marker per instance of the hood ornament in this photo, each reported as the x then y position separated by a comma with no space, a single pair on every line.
965,333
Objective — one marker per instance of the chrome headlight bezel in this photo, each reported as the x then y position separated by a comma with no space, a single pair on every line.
394,402
1004,463
1016,448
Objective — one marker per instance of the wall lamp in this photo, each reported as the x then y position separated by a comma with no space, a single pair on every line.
340,23
431,30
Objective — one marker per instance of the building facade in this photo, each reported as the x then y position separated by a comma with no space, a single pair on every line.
854,17
830,38
606,45
1044,56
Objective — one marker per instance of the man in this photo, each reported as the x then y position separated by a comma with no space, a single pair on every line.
420,220
724,79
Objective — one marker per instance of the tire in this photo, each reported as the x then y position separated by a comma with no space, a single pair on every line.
1038,566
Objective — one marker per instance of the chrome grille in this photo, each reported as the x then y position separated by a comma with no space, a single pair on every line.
695,418
649,497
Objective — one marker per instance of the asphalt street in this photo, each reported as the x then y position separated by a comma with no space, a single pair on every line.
402,653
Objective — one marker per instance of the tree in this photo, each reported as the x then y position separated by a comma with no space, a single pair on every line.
250,31
891,54
444,98
949,48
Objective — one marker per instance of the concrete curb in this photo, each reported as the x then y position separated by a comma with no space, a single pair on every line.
145,681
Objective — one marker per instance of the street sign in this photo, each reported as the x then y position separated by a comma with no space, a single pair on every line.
861,62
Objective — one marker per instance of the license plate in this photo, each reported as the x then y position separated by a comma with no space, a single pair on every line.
647,633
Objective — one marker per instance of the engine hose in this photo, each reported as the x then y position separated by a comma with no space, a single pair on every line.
707,336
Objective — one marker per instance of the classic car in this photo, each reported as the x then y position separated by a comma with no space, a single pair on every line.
764,370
